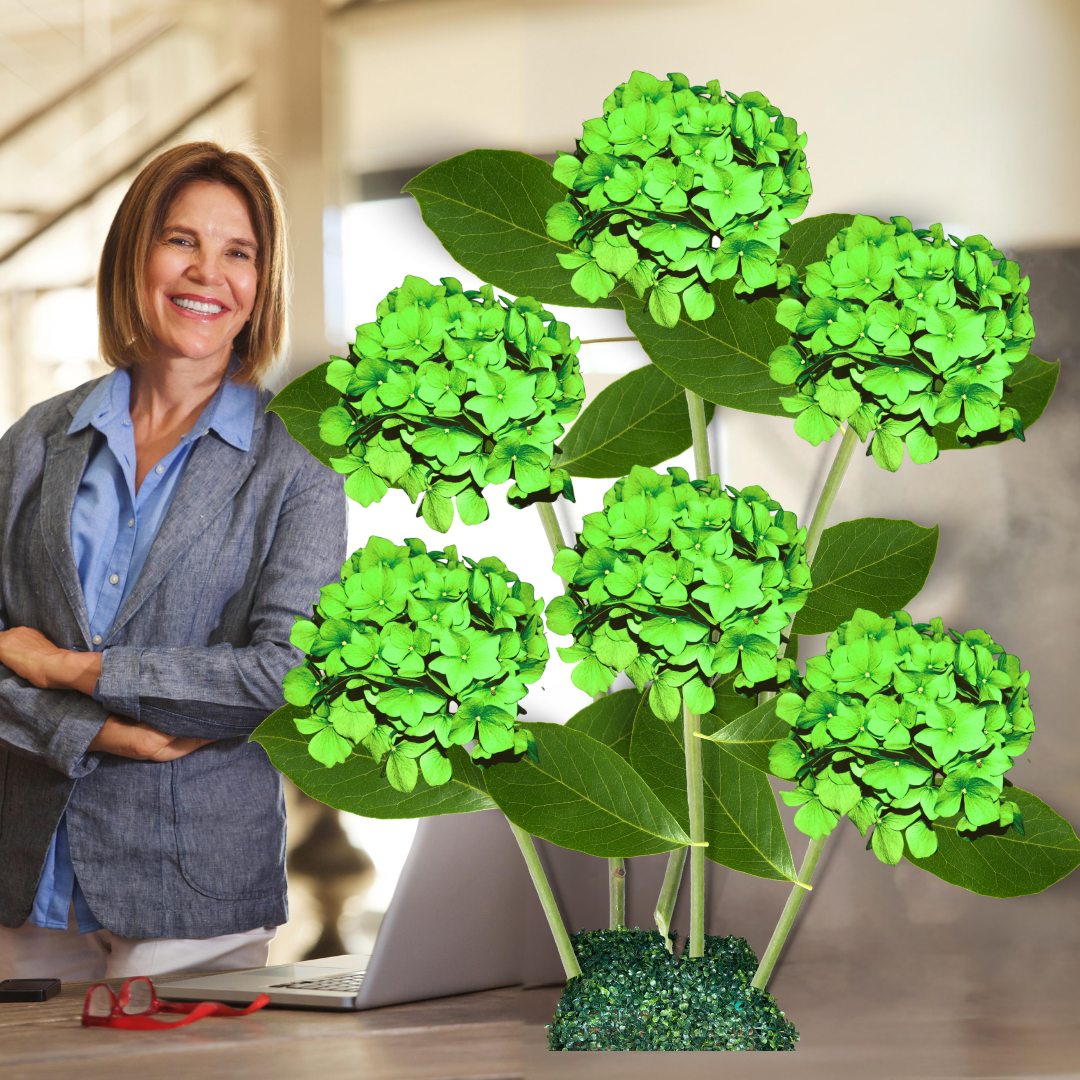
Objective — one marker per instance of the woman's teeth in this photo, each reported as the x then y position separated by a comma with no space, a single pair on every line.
195,305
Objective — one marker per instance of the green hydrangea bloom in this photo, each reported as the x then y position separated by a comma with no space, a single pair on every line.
898,725
675,187
450,390
900,329
416,651
679,581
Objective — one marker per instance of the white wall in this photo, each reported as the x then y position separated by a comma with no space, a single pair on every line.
962,111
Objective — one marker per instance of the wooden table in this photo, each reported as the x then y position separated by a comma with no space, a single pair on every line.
475,1035
855,1025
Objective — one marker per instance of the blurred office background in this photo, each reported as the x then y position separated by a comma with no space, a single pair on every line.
960,111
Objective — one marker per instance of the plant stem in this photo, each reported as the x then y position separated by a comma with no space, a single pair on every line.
552,528
828,492
617,893
695,794
616,867
669,891
817,526
806,872
599,340
695,798
547,900
699,430
791,909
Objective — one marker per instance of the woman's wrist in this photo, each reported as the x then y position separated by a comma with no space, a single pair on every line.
69,670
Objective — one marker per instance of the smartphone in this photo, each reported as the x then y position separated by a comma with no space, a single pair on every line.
28,989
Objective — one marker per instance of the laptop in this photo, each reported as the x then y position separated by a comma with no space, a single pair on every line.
453,927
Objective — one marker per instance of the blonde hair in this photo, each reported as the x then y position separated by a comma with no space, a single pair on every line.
124,333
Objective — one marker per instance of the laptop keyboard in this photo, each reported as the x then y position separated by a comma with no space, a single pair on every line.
349,983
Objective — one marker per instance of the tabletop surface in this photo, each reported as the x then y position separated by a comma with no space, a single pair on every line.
475,1035
853,1027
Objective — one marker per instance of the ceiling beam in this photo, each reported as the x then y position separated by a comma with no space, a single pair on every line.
159,141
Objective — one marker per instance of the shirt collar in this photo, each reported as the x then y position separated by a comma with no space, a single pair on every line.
230,412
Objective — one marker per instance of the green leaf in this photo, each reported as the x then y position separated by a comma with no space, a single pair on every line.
582,795
875,563
808,238
731,703
1032,384
1008,865
328,748
888,845
641,419
401,771
300,685
357,786
742,824
436,768
609,720
487,208
438,512
724,359
300,404
751,737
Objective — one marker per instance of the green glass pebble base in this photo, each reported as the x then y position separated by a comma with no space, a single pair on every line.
632,994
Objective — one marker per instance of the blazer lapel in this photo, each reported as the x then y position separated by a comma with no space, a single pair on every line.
65,462
213,475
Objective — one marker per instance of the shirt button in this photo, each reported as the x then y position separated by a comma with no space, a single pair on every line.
114,579
96,639
160,469
131,523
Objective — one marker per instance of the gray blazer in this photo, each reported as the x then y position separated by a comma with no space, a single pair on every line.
195,847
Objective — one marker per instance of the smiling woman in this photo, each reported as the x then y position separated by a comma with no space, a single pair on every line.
159,534
212,216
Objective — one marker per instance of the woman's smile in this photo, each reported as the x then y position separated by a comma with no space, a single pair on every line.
199,307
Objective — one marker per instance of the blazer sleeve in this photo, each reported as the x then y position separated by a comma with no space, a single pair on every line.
57,725
223,691
54,725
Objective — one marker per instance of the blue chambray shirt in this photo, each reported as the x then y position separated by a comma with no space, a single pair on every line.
112,530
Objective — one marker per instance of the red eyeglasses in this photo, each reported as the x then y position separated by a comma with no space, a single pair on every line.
136,1006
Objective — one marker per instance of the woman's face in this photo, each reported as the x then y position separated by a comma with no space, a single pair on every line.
201,275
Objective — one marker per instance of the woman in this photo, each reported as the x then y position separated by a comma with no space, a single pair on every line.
159,533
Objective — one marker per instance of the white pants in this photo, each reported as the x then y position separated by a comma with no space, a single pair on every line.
30,952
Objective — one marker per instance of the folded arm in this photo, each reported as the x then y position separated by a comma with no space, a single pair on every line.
57,725
224,691
191,692
55,718
32,656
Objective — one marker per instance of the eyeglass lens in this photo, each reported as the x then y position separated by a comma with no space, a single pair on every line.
140,997
101,1002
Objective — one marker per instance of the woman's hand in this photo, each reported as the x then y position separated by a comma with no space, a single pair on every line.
140,742
33,657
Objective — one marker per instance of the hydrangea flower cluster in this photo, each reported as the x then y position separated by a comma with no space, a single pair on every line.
450,390
899,725
415,652
677,581
900,329
675,187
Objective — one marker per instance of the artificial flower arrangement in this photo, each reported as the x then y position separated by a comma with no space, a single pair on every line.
682,205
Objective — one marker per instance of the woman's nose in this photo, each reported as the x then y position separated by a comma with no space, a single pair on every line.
207,269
